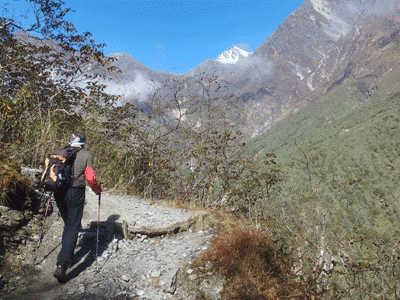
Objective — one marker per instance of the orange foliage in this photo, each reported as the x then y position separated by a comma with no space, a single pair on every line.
254,266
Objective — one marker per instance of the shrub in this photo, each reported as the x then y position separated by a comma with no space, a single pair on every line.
14,187
255,267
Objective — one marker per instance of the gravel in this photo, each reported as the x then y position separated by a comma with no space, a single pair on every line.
140,268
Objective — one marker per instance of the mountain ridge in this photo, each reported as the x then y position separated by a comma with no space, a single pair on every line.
310,50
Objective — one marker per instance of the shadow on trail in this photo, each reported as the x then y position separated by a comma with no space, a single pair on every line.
48,254
88,245
30,288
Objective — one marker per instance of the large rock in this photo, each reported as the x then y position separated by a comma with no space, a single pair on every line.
33,175
168,281
10,218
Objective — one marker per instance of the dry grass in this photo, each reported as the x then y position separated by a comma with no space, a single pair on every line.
254,266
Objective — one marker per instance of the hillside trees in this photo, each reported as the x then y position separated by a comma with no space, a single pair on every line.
342,226
184,145
46,81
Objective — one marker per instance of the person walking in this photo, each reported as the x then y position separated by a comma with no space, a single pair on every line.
70,203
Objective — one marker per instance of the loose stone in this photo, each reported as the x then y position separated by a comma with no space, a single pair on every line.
155,273
193,277
139,292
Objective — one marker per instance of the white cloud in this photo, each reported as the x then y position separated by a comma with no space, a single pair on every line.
140,88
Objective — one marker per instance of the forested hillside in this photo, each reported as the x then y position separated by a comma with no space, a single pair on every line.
339,190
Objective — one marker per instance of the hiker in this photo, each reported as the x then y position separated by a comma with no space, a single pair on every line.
70,203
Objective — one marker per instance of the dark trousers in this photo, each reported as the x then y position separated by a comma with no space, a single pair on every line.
70,203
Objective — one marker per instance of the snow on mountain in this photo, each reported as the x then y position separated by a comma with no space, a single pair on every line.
232,56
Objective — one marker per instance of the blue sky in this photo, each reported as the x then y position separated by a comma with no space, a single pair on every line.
176,36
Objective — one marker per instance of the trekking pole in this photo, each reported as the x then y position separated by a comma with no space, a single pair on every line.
41,232
98,226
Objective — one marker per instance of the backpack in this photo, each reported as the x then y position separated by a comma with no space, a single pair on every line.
58,169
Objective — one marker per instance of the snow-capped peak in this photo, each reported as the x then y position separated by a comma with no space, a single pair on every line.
232,56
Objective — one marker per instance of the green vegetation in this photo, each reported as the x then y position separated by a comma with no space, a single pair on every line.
339,192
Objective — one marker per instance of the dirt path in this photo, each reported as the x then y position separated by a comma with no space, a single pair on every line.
138,268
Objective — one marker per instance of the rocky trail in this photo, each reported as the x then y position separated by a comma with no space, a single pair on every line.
145,251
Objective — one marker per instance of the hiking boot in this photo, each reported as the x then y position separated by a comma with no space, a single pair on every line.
60,274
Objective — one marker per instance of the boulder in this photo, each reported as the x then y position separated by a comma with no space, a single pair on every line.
10,218
33,175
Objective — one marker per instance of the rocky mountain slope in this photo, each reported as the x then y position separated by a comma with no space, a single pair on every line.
134,82
317,46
